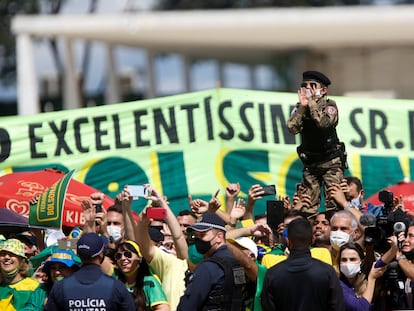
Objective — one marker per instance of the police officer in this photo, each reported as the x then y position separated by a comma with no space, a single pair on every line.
315,117
218,281
89,288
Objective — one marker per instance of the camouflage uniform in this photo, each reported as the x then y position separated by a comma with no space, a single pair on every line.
321,152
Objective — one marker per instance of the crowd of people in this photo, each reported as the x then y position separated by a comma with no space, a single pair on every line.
211,258
341,256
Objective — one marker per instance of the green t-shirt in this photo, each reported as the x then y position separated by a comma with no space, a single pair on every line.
37,299
154,294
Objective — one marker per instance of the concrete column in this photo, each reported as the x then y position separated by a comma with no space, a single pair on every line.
28,102
71,85
112,94
150,75
220,70
252,77
186,73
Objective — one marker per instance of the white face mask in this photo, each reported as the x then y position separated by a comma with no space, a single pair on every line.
350,269
114,232
339,238
317,93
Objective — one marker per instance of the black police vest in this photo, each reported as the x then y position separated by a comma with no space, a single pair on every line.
318,140
94,296
229,296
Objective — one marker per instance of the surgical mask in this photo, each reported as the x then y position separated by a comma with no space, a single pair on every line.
350,269
317,93
339,238
356,201
114,232
202,246
193,255
58,278
11,274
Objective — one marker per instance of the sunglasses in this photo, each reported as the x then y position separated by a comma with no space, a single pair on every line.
127,254
311,84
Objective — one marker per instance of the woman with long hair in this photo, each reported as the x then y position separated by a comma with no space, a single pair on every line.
358,288
133,270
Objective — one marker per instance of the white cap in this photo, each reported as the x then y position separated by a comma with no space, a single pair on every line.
247,243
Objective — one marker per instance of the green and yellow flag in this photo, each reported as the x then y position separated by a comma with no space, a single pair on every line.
49,208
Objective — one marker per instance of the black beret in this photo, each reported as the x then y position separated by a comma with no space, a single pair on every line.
316,76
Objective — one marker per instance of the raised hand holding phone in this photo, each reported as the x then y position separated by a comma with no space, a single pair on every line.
138,191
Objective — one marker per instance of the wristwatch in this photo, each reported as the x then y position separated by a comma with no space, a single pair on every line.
401,257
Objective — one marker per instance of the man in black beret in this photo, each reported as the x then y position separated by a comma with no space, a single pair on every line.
315,117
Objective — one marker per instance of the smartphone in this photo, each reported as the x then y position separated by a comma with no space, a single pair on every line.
138,191
269,190
156,213
98,208
274,213
68,243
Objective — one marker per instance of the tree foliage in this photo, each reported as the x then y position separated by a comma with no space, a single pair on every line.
8,10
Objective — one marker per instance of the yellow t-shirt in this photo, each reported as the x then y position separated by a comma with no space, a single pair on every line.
171,271
320,253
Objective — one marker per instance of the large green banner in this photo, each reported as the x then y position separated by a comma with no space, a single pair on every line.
195,143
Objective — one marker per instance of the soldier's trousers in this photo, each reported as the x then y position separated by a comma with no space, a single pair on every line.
321,175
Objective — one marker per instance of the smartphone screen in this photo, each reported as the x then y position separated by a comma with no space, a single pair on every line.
275,213
137,191
269,190
68,243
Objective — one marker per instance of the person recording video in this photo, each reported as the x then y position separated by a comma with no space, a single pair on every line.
387,235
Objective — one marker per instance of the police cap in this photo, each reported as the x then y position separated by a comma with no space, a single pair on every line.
316,76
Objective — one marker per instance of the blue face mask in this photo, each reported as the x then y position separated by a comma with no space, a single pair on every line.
193,255
356,202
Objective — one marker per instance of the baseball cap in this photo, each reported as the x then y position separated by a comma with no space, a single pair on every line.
14,246
209,221
67,257
91,245
246,243
27,237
